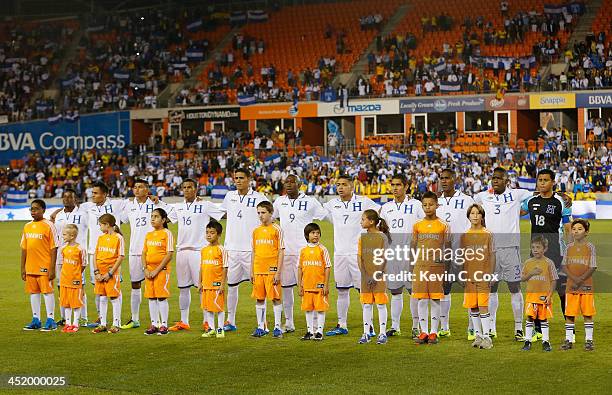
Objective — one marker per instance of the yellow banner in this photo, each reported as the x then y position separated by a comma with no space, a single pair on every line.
551,101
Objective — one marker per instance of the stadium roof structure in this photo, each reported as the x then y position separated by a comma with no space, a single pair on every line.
55,8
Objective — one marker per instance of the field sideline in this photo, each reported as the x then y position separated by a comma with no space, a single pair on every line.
183,362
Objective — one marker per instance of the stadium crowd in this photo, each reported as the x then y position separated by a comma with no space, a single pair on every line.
211,160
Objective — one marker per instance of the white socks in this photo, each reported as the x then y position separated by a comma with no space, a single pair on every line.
493,304
310,321
68,315
517,310
569,331
98,304
588,330
423,307
485,320
50,304
220,319
288,302
414,311
154,312
529,331
184,303
210,318
545,331
232,304
367,318
382,318
343,303
260,310
445,306
278,314
35,303
135,300
77,315
435,315
397,305
320,318
116,311
475,318
103,303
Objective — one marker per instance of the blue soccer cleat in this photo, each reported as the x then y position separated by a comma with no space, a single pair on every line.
338,330
229,327
382,339
50,325
364,339
372,334
34,325
259,333
277,333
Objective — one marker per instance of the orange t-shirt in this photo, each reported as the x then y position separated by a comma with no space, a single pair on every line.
108,249
580,257
481,243
314,259
430,236
267,243
156,245
38,239
539,286
74,259
214,259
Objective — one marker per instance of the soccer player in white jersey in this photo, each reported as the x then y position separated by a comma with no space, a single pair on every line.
192,216
401,214
344,212
452,208
74,214
137,212
502,207
240,207
295,210
100,204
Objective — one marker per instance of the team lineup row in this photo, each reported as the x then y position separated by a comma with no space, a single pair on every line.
275,258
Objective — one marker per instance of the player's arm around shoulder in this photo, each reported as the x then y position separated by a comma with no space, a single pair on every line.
281,253
121,255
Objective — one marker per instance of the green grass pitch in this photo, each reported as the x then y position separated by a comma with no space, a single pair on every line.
185,363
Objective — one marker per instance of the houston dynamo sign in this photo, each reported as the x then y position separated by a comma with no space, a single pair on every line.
107,131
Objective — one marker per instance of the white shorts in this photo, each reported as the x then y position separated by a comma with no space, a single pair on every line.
346,271
508,264
239,267
136,270
289,271
187,268
398,268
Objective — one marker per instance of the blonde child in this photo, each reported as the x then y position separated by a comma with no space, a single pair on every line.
156,257
74,260
108,255
266,265
213,278
477,287
579,263
541,276
313,281
373,286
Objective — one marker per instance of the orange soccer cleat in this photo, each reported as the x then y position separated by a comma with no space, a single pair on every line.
179,326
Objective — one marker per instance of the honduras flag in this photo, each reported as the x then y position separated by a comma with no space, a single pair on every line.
448,86
246,100
396,157
257,15
272,159
293,110
219,192
527,183
16,197
55,119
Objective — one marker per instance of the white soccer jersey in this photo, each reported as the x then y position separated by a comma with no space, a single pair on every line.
294,215
346,218
192,219
138,215
453,210
78,217
401,217
242,219
114,207
502,214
